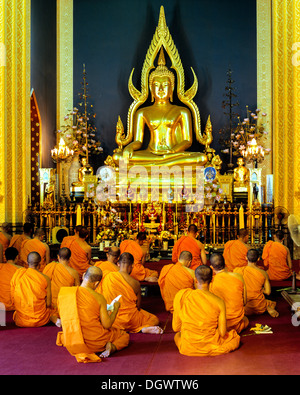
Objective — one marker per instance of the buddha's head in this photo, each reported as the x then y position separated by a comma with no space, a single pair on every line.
162,80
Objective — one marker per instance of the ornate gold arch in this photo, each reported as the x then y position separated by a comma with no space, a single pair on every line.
163,38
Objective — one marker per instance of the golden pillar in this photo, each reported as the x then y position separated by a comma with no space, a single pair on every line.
14,109
64,67
286,103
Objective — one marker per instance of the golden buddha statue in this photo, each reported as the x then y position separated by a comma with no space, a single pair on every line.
170,125
84,170
241,174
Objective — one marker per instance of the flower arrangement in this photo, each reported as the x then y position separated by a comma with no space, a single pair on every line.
252,127
79,132
212,190
106,234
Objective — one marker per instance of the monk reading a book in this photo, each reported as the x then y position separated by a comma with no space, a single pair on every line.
88,328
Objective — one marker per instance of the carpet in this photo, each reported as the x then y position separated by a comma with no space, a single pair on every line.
28,351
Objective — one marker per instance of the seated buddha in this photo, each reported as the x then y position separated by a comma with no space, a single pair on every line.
170,127
241,174
84,170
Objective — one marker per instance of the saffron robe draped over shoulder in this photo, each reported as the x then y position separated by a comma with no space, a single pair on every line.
187,243
195,319
231,290
172,278
129,317
29,291
5,243
60,277
6,273
31,245
106,268
139,272
275,259
83,335
79,259
16,242
254,280
235,254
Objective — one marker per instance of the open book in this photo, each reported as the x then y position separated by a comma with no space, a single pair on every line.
110,306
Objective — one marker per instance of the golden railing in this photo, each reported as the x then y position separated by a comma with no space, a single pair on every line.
217,224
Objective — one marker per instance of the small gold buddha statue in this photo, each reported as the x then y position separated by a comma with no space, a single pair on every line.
84,170
241,174
170,127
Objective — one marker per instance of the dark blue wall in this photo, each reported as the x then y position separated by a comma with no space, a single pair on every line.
43,71
112,37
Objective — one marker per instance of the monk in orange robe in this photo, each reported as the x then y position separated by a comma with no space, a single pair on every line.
61,275
110,265
235,251
232,289
17,240
81,252
38,245
31,294
190,243
7,270
67,239
174,277
130,316
199,320
87,325
277,258
139,272
5,238
257,285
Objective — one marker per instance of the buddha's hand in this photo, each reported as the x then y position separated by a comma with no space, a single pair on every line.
127,153
164,152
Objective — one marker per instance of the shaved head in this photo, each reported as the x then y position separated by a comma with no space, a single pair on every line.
217,261
93,274
33,259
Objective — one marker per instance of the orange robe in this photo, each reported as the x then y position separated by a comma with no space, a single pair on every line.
30,245
172,278
139,272
5,243
187,243
254,280
6,273
66,240
79,259
16,242
275,259
195,319
106,268
129,317
231,290
83,335
235,254
28,291
60,277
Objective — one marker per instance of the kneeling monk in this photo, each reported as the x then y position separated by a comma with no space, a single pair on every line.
31,294
134,247
87,326
130,317
199,319
172,278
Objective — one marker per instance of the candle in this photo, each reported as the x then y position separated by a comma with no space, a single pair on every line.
241,217
78,215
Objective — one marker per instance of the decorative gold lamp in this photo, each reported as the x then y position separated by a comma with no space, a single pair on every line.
62,154
254,153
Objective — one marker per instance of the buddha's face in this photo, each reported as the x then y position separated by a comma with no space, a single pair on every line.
161,88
